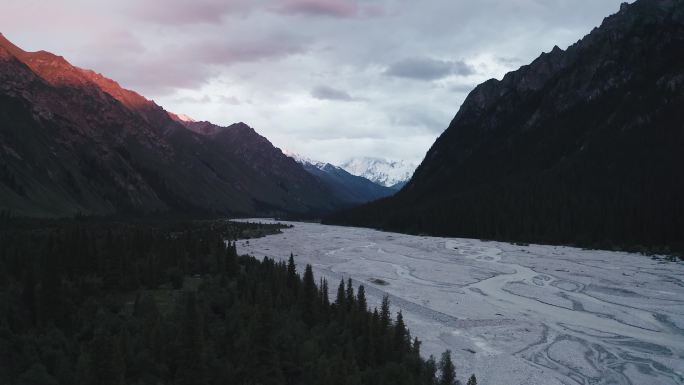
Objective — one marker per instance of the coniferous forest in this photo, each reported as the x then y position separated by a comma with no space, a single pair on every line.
84,302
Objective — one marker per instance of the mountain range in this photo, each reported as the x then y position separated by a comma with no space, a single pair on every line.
582,146
393,174
347,188
75,142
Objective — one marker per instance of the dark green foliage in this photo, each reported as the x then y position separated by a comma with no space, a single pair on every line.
430,371
472,380
384,313
192,360
340,300
447,370
361,299
141,303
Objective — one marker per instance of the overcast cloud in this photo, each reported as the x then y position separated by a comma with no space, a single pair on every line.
330,79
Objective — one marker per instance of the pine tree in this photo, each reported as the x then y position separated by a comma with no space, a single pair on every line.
472,380
415,347
232,266
325,299
292,278
350,295
400,334
430,371
384,313
340,299
308,297
361,300
448,371
192,366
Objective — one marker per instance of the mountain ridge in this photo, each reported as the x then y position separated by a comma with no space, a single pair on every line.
579,147
348,188
75,142
393,174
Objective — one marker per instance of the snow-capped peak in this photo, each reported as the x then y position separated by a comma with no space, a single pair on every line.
303,160
381,171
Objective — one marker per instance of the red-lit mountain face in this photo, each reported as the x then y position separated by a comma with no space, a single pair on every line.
73,141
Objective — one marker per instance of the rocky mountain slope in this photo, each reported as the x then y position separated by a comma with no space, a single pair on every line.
73,141
581,146
347,188
394,174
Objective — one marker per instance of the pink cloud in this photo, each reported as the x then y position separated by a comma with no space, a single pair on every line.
190,12
332,8
230,52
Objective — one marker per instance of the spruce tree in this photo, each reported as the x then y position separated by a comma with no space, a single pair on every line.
191,366
340,299
325,299
400,334
472,380
232,266
384,313
292,278
350,295
361,300
430,371
308,296
448,371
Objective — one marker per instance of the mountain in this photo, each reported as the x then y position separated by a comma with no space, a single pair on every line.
347,188
392,174
582,146
73,141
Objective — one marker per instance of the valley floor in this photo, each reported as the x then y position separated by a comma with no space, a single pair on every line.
510,314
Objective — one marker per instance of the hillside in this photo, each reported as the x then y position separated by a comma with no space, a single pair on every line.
582,146
74,142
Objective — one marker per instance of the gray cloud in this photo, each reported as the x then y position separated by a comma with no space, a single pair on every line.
333,8
263,61
462,87
181,12
228,52
329,93
428,69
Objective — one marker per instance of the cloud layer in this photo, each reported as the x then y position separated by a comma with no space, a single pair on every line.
429,69
330,79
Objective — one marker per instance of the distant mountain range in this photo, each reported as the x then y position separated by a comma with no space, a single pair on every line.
73,141
348,188
582,146
394,174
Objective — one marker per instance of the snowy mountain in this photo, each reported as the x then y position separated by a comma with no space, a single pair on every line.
346,187
388,173
305,161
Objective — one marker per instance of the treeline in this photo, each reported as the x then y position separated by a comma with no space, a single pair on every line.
173,303
536,211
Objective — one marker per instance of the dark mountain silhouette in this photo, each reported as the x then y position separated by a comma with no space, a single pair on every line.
73,141
582,146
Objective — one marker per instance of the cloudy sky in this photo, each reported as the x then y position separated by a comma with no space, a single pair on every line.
330,79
